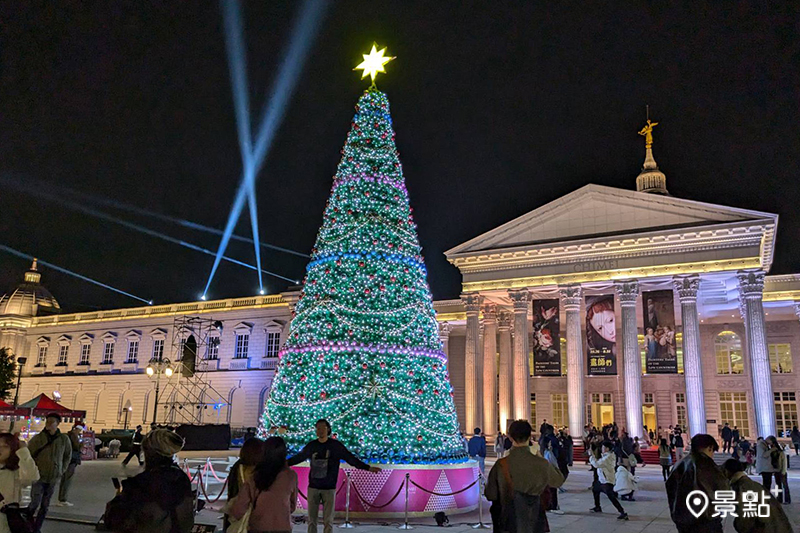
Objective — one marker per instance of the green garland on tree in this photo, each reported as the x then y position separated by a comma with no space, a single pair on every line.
363,349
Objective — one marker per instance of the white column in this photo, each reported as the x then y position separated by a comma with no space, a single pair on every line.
628,293
506,370
571,300
472,302
490,369
686,288
751,290
522,384
444,336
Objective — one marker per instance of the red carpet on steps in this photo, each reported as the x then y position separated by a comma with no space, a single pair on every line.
649,455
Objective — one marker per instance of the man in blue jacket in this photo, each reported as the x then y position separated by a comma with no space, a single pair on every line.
477,449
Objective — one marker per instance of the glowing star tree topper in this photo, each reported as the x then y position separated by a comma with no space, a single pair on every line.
373,63
363,349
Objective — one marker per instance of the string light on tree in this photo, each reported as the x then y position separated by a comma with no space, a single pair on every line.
363,349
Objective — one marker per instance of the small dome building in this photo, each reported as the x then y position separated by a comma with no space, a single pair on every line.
18,306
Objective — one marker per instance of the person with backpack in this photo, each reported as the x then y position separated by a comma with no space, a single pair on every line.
777,459
52,451
160,499
477,449
551,452
727,437
774,521
516,485
66,480
764,466
677,444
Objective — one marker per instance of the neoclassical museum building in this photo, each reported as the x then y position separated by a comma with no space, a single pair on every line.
605,305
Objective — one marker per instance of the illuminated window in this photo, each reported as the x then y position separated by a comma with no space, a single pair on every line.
158,348
680,409
728,348
86,350
780,358
560,416
533,407
273,343
41,359
733,410
242,342
785,412
108,353
133,351
63,351
212,350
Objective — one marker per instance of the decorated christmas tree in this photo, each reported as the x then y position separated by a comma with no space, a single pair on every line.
363,349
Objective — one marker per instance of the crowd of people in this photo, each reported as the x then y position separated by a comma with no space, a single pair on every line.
520,504
699,472
523,485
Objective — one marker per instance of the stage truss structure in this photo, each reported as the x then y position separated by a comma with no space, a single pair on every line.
189,397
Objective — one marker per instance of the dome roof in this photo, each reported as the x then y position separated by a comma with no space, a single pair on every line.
29,298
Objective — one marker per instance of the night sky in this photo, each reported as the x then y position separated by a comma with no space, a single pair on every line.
497,112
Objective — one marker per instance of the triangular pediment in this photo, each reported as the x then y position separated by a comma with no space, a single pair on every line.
597,211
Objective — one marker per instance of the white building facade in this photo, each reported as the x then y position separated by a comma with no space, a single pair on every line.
731,350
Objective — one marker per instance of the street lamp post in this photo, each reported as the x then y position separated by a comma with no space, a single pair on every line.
20,361
156,367
128,409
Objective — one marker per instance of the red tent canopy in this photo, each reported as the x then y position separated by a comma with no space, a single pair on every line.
42,405
8,410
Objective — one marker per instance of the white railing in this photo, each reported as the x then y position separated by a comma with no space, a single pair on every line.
238,364
209,365
270,363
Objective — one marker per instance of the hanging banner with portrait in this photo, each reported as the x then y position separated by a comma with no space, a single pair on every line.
546,338
601,335
661,354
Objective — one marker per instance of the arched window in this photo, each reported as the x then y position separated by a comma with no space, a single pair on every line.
728,347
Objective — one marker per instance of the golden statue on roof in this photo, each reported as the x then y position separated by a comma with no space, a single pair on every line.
647,132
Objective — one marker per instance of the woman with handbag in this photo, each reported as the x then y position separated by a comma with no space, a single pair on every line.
266,503
251,454
17,470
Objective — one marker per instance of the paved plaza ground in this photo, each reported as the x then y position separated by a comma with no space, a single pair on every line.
92,488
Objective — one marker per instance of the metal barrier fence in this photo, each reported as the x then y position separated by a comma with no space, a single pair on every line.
201,478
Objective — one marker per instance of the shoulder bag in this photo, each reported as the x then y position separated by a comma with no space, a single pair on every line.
20,519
